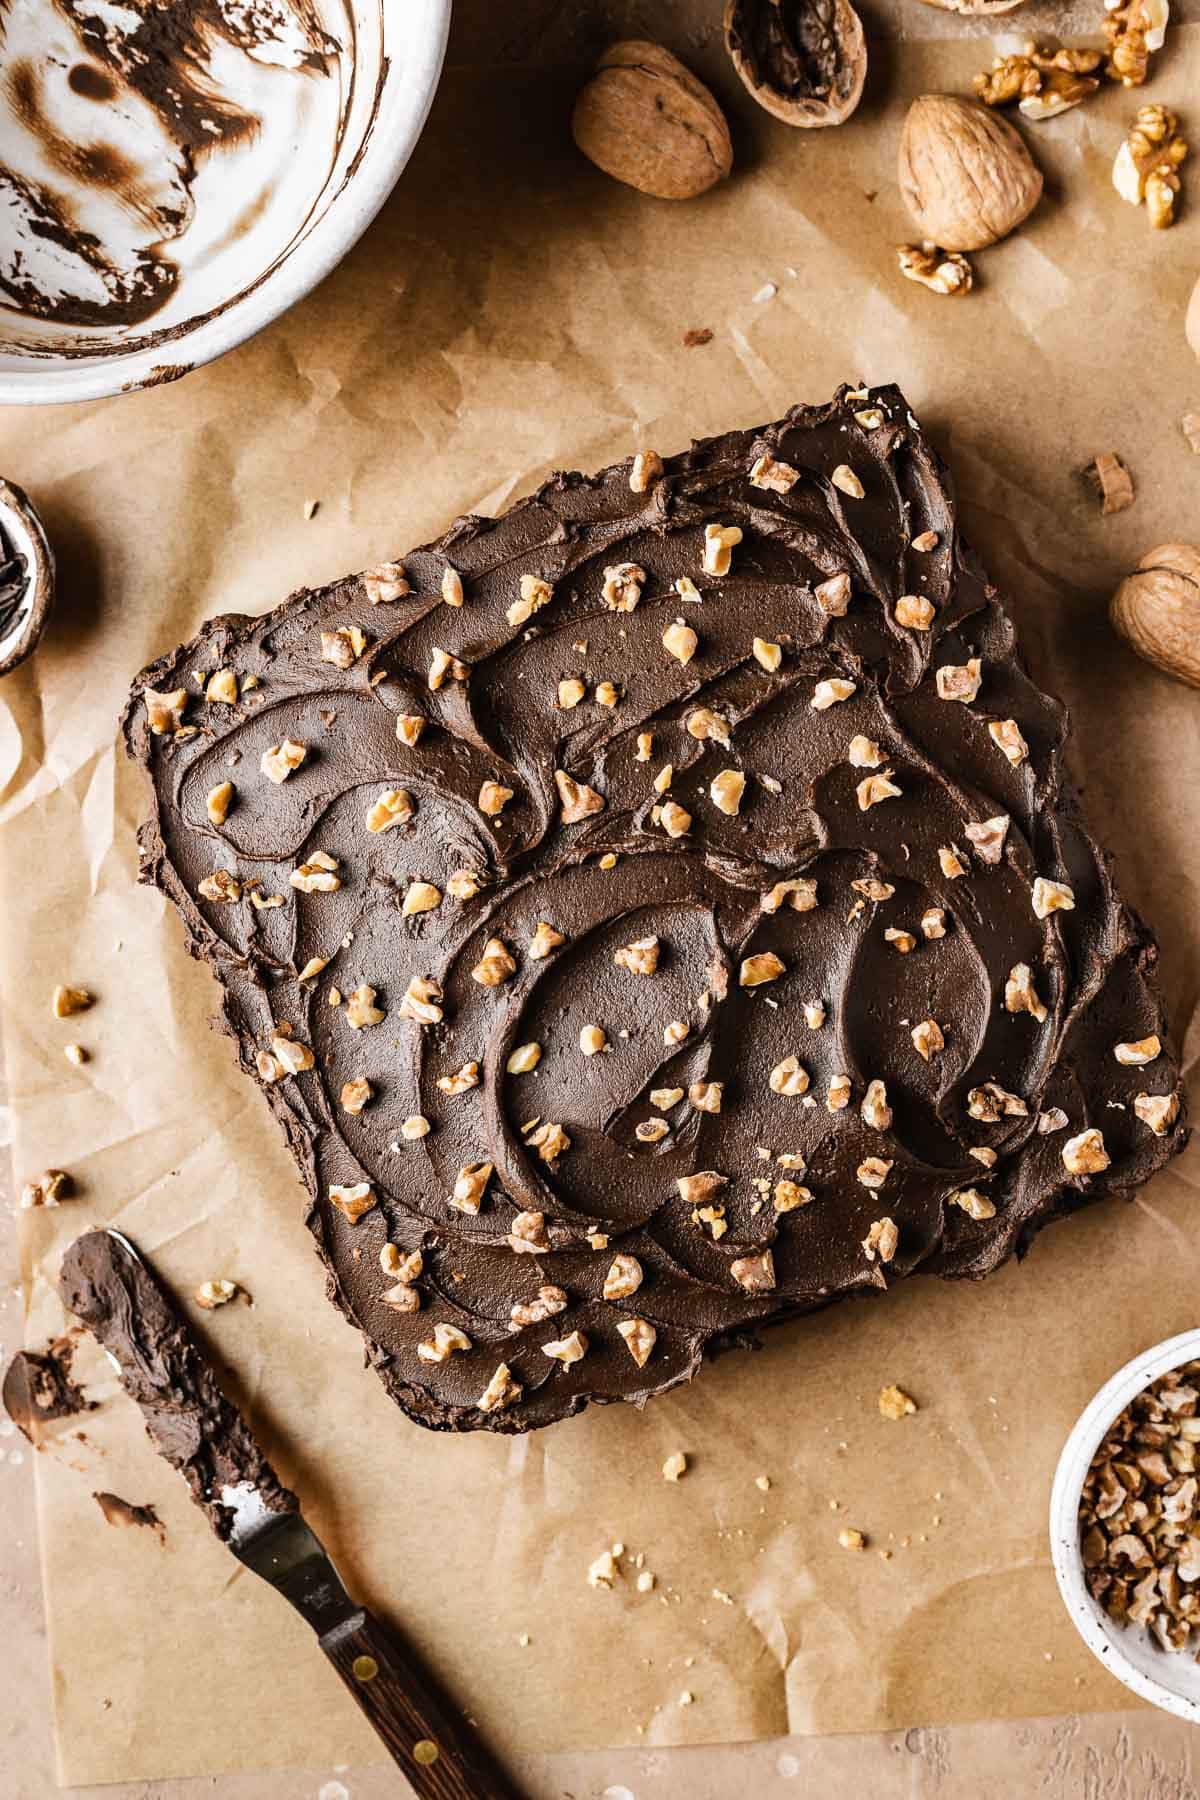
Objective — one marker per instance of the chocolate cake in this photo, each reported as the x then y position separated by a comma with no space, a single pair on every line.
655,913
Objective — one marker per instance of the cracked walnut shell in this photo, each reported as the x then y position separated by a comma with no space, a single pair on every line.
805,61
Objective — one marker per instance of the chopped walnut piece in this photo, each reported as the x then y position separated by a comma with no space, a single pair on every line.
550,1142
1085,1154
875,1109
976,1205
875,788
719,544
218,801
833,595
222,886
705,1096
726,790
675,1466
567,1350
873,1171
987,839
550,1301
665,1098
386,582
882,1240
640,957
420,897
847,482
495,966
960,681
991,1102
1112,481
535,593
645,745
524,1059
1055,1120
544,940
570,692
409,727
1190,426
676,1031
281,760
76,1054
578,800
952,864
700,1187
464,884
51,1188
1052,896
67,1001
356,1094
687,590
1044,83
704,724
767,655
446,1340
463,1079
760,969
421,1000
527,1234
443,665
269,1070
607,693
1020,995
941,271
291,1055
925,541
624,1277
501,1391
754,1273
928,1038
268,902
646,470
362,1011
814,1015
786,1196
623,584
1158,1111
1137,1055
1006,735
838,1097
344,646
850,1539
680,641
799,893
662,780
830,692
870,418
789,1078
1147,169
675,820
493,798
872,888
164,711
915,612
933,923
592,1040
864,753
469,1186
403,1297
640,1338
415,1127
777,477
355,1200
903,941
318,875
983,1155
894,1403
211,1294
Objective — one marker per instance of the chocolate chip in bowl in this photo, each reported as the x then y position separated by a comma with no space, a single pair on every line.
1125,1525
26,577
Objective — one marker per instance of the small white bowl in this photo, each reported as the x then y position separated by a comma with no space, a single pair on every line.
1165,1678
246,256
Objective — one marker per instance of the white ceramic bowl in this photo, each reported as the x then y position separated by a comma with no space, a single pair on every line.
270,216
1166,1679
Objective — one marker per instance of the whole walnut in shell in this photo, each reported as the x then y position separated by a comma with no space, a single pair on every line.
646,120
805,61
1157,610
966,176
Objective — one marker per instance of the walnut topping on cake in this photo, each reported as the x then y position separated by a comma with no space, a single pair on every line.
1085,1154
623,584
778,477
640,957
1020,995
882,1241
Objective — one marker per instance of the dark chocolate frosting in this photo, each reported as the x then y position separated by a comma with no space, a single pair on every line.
188,1419
887,839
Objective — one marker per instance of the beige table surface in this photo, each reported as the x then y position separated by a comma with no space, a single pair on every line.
1119,1756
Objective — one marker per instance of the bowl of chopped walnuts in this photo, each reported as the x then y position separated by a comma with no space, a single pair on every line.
1125,1525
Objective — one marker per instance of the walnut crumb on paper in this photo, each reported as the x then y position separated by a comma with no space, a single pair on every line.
894,1403
675,1466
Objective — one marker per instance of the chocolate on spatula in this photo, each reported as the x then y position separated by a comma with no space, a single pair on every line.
656,913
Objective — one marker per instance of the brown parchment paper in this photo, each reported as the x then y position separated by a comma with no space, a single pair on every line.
512,312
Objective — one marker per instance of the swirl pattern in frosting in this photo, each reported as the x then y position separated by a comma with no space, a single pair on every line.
655,913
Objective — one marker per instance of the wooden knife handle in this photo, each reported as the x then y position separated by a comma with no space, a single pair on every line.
426,1735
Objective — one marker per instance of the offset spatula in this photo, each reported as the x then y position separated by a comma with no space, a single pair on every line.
110,1289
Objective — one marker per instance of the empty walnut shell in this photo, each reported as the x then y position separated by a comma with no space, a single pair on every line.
23,619
804,60
1156,609
647,121
966,176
